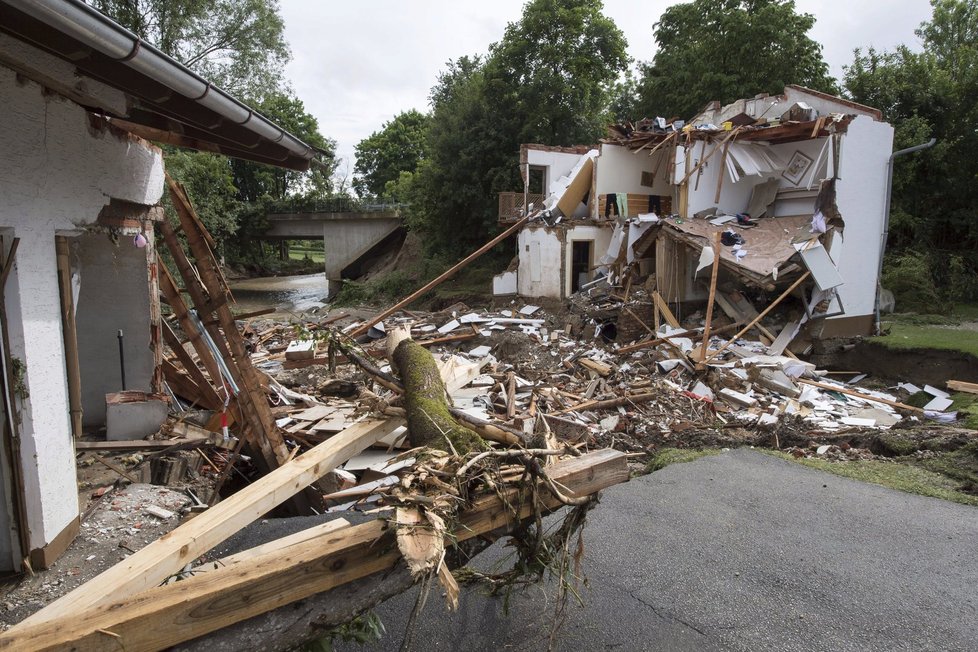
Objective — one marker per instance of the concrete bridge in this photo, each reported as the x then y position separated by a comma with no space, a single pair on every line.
351,240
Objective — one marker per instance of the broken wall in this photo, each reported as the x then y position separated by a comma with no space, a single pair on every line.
860,197
735,197
113,296
774,106
558,164
546,256
619,170
56,173
599,236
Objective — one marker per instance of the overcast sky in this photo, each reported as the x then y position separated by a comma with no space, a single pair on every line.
358,64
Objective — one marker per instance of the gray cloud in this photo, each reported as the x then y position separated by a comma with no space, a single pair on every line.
358,64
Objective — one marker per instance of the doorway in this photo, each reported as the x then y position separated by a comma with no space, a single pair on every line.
582,260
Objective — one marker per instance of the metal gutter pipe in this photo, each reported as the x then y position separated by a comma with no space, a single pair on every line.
88,26
886,217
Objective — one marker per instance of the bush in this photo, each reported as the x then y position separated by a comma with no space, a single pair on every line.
909,276
962,280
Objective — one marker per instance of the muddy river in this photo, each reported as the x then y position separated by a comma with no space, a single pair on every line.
287,294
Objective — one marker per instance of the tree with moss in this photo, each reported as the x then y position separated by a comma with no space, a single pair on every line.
725,50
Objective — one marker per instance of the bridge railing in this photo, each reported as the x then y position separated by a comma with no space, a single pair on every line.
332,205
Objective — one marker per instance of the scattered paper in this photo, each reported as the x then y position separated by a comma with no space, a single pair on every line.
706,258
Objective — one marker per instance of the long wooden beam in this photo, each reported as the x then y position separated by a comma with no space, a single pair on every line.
181,611
170,553
441,279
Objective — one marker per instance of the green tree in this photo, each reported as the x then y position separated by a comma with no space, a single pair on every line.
256,181
931,94
548,80
237,44
553,71
728,49
208,180
398,147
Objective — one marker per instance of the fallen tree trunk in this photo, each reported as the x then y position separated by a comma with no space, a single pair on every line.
430,421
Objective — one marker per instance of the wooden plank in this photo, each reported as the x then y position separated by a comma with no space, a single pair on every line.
961,386
713,292
169,289
171,552
69,332
761,315
664,309
645,344
208,397
167,615
279,545
140,444
206,276
112,466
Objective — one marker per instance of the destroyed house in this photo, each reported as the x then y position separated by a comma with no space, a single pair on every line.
79,201
794,185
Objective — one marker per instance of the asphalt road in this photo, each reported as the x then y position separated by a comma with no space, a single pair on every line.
741,551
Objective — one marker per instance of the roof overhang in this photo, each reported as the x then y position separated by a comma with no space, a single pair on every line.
165,101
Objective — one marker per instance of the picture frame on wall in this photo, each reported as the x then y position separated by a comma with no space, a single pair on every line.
797,167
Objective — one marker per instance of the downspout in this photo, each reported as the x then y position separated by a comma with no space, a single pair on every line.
886,218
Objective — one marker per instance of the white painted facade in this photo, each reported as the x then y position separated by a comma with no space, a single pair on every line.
557,164
541,251
57,172
546,256
860,196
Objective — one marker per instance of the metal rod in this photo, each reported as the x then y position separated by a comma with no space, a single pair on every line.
122,360
886,218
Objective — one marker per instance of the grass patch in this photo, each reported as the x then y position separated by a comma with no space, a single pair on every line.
966,311
901,476
967,407
960,465
668,456
313,255
918,336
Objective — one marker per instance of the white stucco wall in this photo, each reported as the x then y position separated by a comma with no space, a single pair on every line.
860,197
619,170
546,254
114,296
558,164
56,173
540,253
601,237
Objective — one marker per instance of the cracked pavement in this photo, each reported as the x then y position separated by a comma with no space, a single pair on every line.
741,551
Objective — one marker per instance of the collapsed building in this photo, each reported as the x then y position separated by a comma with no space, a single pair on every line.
793,184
